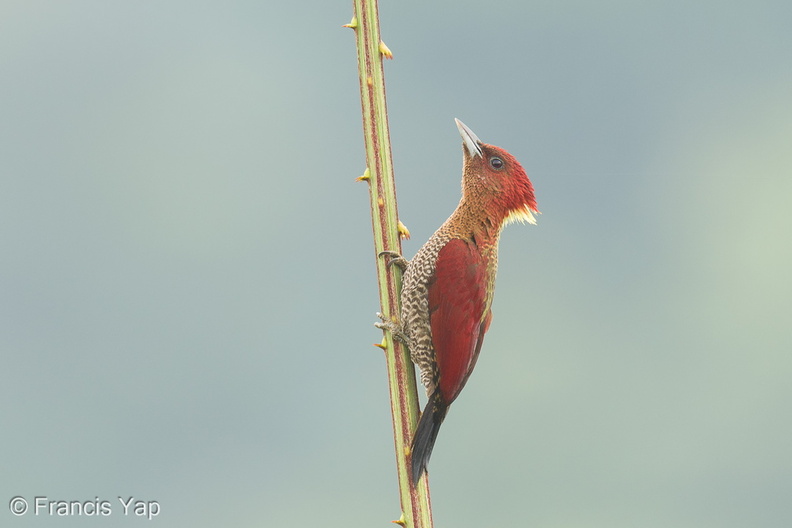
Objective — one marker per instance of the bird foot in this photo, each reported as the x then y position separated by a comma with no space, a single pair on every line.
393,327
395,259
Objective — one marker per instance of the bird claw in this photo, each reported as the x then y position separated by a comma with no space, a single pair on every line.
395,260
393,327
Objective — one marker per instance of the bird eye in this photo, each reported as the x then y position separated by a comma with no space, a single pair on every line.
496,163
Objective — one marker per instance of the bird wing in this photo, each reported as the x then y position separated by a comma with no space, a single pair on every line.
459,313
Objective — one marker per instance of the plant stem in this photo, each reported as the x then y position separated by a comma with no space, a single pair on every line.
415,503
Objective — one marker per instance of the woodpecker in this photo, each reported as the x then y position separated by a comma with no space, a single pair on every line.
447,287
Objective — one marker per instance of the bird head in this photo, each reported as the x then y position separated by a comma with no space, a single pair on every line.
495,179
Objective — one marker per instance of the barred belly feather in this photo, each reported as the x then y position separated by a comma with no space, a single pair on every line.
415,308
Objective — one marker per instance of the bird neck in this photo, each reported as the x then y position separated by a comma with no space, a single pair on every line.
478,218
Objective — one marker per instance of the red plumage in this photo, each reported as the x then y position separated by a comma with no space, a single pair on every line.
458,313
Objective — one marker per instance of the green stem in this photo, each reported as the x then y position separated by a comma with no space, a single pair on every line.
415,503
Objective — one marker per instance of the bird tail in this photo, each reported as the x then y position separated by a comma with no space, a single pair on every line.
426,434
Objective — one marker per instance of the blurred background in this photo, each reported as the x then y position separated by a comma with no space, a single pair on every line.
187,285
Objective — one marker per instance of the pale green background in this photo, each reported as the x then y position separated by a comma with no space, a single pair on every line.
187,269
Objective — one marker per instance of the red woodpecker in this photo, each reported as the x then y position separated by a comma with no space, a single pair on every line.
448,286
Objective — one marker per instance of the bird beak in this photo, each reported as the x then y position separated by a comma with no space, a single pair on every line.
470,139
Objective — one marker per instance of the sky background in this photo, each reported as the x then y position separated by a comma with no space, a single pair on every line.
187,281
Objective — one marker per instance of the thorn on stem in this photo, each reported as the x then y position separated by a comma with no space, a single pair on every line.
365,177
404,233
352,24
385,50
